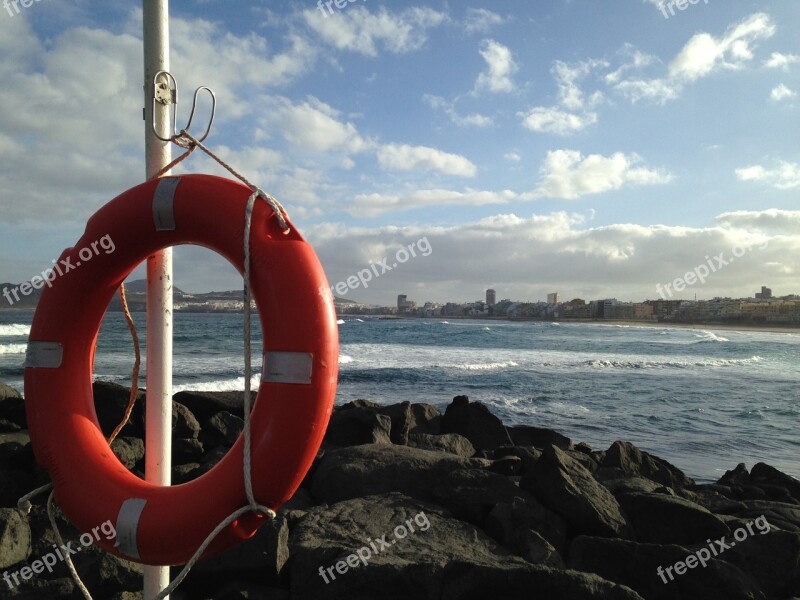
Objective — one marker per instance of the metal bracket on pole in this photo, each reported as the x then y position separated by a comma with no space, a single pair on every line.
165,92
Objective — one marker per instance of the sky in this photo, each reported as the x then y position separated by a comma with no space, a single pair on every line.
595,149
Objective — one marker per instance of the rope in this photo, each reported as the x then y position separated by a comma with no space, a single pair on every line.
136,364
70,565
24,503
174,163
248,367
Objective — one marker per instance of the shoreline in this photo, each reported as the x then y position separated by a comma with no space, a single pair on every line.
601,322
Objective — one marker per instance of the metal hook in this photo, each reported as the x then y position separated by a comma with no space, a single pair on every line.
194,107
165,91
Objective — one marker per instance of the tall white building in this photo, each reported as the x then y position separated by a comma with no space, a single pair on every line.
553,298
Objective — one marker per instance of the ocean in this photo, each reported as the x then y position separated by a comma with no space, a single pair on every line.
704,400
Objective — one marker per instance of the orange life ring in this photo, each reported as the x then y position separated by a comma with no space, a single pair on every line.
165,525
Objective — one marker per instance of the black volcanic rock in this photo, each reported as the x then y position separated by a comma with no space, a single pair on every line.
636,565
381,468
443,558
222,429
631,461
535,516
566,487
680,521
768,477
452,443
538,437
12,407
356,425
110,402
15,537
205,405
474,421
511,524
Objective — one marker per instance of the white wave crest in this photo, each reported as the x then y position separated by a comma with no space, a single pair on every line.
235,384
13,348
495,366
14,329
671,364
710,336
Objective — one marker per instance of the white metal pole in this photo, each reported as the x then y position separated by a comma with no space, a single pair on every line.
158,433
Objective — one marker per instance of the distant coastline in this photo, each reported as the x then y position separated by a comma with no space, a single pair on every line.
721,326
716,325
728,314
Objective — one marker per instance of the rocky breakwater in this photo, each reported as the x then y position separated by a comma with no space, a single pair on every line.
406,502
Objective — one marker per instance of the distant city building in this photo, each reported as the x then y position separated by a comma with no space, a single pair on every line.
600,308
764,294
491,297
431,309
553,298
404,305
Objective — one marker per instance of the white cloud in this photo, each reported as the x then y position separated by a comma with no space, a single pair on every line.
637,60
781,92
402,157
567,76
481,20
704,53
564,175
56,102
700,57
553,120
512,157
781,61
568,175
529,255
655,90
501,68
786,176
356,29
773,220
563,119
470,120
69,103
371,205
314,126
